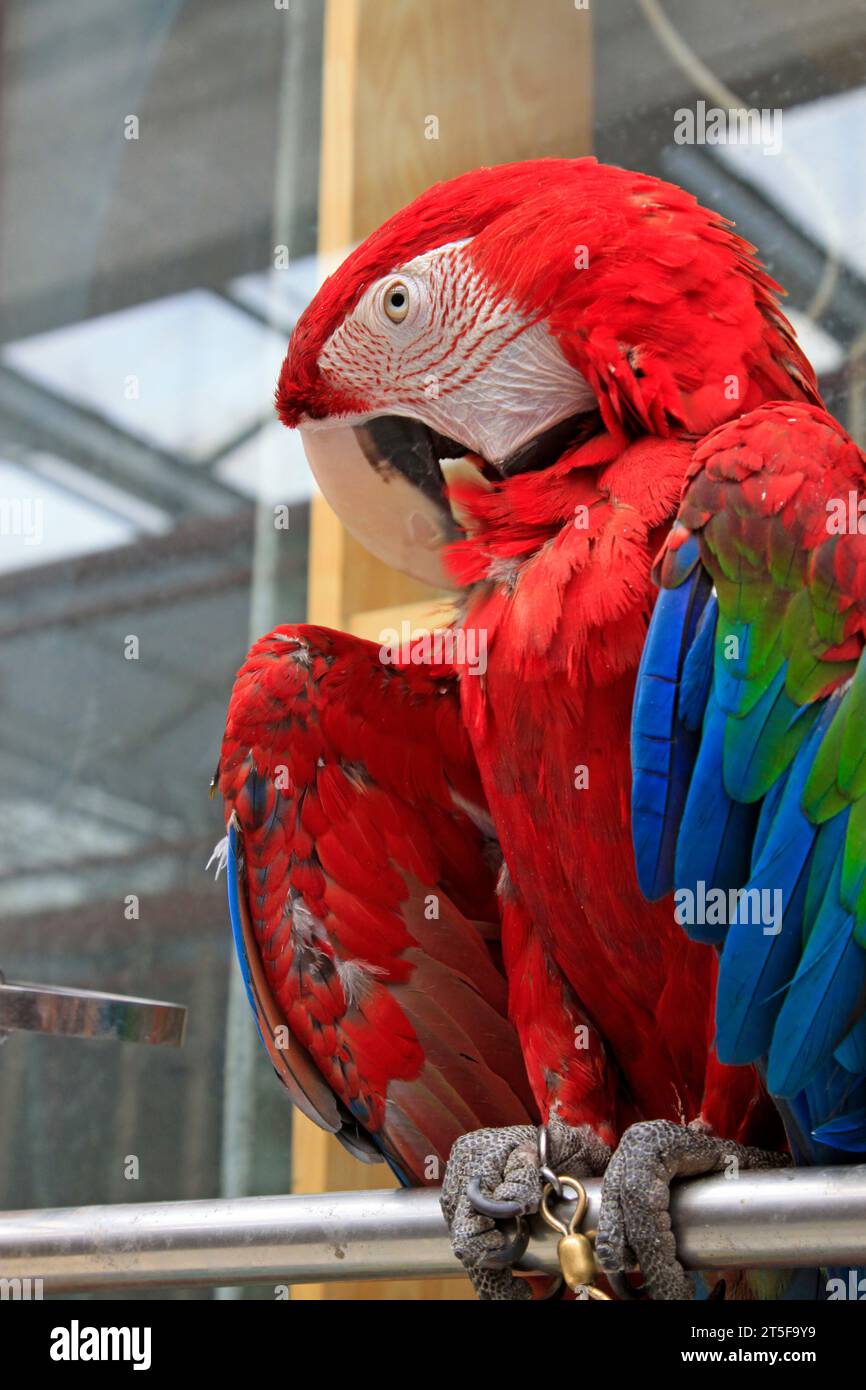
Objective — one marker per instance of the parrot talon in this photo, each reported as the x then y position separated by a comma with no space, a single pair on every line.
634,1224
621,1288
547,1173
512,1253
489,1206
557,1291
493,1175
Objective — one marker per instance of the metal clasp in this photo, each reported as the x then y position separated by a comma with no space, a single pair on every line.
574,1249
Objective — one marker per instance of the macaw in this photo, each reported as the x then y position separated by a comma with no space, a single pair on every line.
501,390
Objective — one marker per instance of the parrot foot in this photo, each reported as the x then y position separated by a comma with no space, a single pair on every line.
494,1174
634,1226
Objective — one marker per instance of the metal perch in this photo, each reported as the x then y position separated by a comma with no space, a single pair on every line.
785,1218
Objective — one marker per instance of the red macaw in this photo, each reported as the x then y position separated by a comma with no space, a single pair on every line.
568,331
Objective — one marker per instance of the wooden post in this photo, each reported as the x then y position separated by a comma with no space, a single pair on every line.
416,91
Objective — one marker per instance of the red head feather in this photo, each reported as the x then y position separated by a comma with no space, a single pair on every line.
660,306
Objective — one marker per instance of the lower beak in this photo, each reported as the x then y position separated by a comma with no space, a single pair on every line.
383,480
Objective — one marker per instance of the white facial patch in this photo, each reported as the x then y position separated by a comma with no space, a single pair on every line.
465,363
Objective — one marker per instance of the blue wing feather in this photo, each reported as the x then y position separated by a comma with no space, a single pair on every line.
711,805
663,745
716,832
822,999
758,961
851,1052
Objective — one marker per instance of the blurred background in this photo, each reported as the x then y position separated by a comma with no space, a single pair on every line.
175,176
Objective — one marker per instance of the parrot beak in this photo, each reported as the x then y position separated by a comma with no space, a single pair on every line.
386,477
384,480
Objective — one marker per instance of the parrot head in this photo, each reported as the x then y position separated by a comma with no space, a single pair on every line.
507,313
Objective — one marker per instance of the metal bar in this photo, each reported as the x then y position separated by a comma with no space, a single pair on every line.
788,1218
89,1013
40,420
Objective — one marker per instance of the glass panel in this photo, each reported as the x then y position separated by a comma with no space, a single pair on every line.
158,174
155,158
796,184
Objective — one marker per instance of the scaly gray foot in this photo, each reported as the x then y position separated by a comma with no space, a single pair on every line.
495,1173
634,1226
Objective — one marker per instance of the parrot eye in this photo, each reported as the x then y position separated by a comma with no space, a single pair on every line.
395,301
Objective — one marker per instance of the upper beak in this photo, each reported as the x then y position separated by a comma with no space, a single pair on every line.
385,479
382,478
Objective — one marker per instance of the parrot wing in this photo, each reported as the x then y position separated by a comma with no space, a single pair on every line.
294,1066
749,755
361,895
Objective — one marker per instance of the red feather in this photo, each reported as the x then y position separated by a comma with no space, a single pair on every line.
366,885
